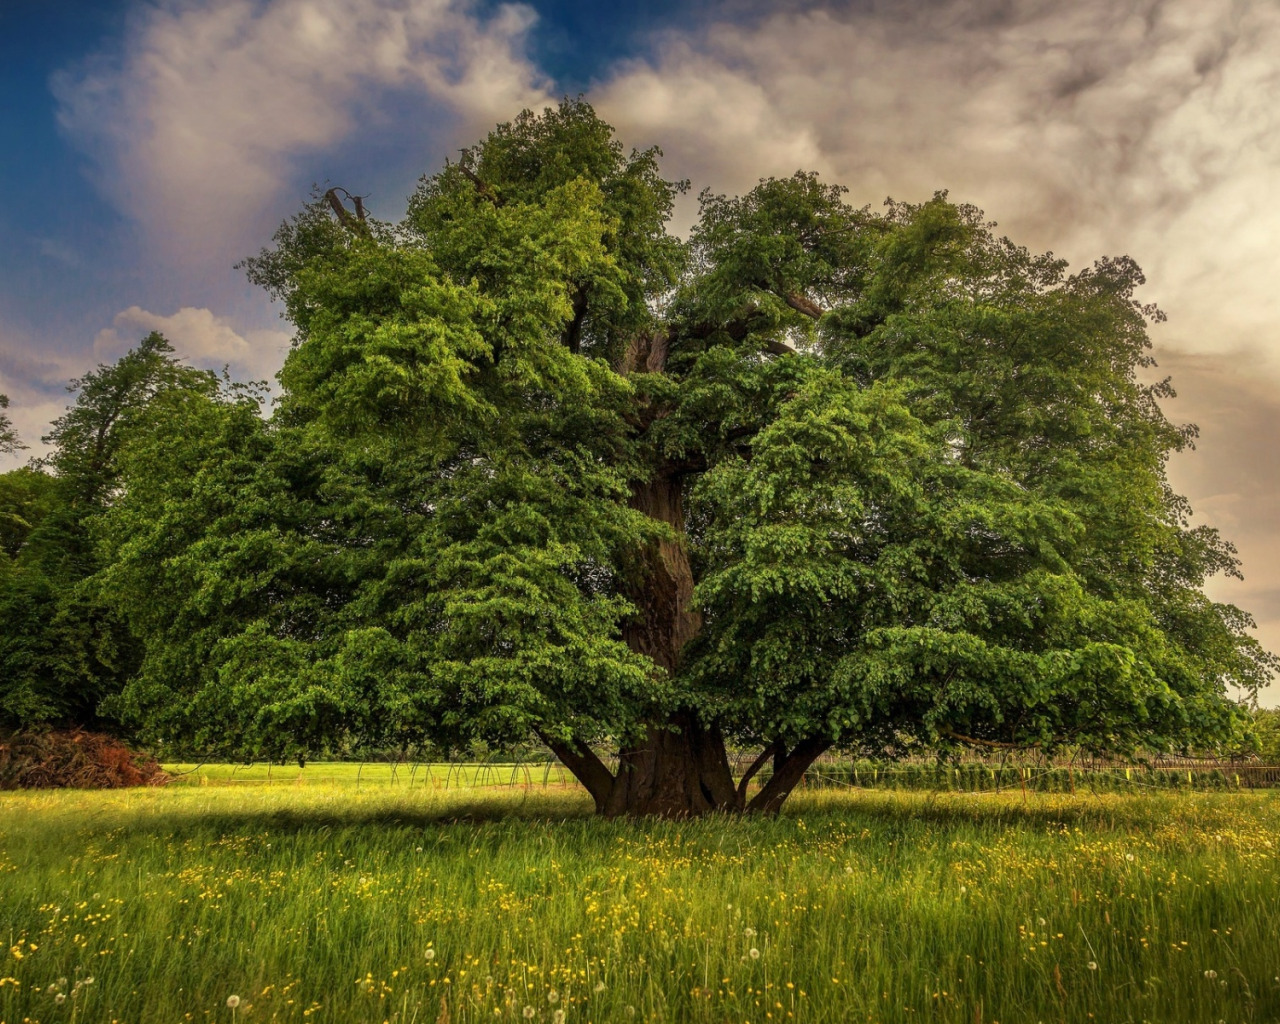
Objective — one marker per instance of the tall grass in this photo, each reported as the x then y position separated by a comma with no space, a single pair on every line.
328,903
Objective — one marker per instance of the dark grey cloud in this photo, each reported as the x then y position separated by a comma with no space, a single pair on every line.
1233,476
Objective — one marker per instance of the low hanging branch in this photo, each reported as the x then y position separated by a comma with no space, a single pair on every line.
582,761
779,348
993,744
787,775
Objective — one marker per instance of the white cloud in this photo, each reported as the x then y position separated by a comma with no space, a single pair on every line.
198,336
200,120
35,379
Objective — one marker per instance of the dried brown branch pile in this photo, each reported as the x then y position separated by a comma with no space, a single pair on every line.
73,759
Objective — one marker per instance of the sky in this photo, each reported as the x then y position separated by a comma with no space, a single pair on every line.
148,145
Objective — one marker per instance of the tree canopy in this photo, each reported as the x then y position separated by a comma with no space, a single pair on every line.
818,477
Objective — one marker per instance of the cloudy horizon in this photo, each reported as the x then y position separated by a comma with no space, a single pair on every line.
157,143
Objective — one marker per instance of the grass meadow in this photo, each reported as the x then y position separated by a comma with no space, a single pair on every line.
330,902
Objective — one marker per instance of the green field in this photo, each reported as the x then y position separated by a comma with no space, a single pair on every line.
324,902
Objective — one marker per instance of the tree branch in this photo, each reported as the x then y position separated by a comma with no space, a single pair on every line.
573,333
779,348
355,224
787,775
750,773
481,187
587,768
801,304
994,744
646,352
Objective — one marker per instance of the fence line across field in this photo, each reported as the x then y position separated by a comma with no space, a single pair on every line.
828,771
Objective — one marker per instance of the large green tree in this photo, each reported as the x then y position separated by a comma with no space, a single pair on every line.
819,477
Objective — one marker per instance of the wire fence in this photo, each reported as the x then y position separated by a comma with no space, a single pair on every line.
1044,777
996,774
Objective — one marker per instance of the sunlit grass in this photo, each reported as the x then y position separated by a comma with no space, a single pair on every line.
321,902
375,773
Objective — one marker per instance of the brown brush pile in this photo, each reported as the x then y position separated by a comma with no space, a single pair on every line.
74,759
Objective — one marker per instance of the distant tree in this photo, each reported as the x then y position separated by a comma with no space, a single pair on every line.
9,441
821,477
62,648
1265,730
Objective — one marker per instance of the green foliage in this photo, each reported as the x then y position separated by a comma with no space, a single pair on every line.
1264,738
63,647
959,524
907,470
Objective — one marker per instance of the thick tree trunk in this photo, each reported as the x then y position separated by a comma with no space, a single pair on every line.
681,770
680,767
661,578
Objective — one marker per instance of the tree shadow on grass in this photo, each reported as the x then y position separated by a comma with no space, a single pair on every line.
566,815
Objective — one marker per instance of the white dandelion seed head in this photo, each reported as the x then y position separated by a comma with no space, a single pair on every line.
1041,921
631,1011
750,933
89,980
1128,856
558,1017
419,850
233,1001
753,953
51,990
1093,965
529,1011
553,996
599,987
963,889
430,954
60,998
1211,975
